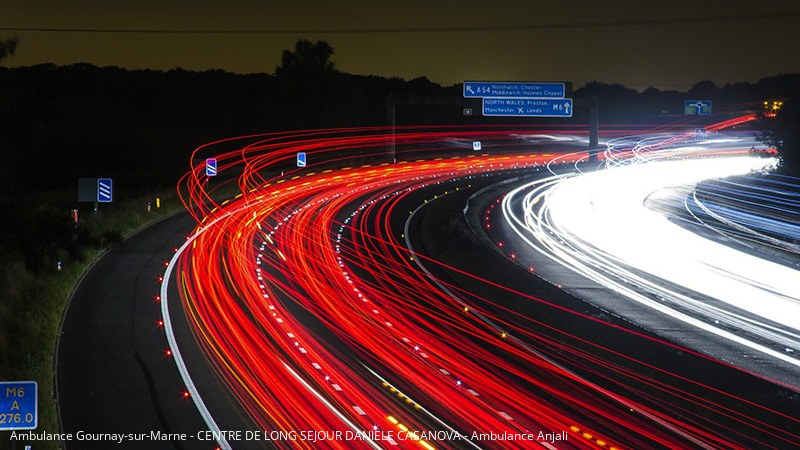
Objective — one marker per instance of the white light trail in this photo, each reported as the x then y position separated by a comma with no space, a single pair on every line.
598,224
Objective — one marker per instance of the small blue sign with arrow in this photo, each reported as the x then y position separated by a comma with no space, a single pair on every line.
512,89
528,107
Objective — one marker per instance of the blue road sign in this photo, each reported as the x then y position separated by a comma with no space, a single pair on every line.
301,159
528,107
500,89
211,167
19,405
104,190
697,107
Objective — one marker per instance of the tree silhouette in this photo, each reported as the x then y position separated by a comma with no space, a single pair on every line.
780,129
307,58
311,93
704,90
7,47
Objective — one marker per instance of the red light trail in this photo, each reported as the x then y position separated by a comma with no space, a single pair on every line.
312,310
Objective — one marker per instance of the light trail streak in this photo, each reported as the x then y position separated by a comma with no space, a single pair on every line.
533,351
764,210
599,224
176,353
325,402
312,311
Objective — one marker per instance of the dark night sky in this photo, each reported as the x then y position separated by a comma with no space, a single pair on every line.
667,56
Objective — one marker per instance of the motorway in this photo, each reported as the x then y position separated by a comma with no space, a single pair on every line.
112,373
114,370
347,307
742,299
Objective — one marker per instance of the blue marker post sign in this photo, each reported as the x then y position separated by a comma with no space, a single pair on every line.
527,107
19,405
301,159
211,167
105,192
501,89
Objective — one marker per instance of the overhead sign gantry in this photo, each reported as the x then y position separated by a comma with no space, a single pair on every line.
520,99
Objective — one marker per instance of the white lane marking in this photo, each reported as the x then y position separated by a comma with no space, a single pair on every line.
341,416
176,353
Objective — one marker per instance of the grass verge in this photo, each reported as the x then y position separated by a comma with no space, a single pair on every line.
38,274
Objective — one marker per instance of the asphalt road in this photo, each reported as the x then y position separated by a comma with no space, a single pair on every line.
444,221
114,377
619,305
112,373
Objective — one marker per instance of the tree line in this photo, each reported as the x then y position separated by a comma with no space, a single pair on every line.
58,123
61,123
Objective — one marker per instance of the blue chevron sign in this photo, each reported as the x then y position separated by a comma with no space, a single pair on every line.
104,190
